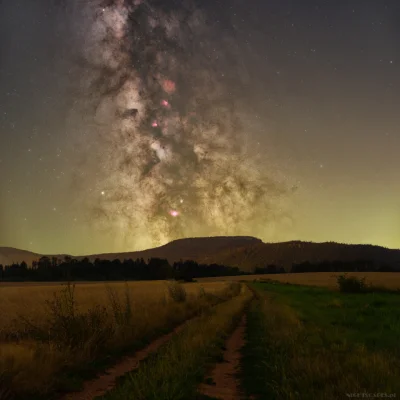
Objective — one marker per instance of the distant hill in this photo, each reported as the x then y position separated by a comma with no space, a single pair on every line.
9,255
181,249
204,249
287,253
244,252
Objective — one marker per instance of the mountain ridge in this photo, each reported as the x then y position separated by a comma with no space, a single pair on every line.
245,252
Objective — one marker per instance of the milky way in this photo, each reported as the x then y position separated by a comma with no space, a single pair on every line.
157,124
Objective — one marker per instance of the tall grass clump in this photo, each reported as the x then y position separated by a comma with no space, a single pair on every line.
122,310
68,329
202,292
176,291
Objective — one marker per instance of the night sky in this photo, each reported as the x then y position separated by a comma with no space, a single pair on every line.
127,124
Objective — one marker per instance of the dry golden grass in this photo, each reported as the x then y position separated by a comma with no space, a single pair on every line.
28,299
32,366
390,280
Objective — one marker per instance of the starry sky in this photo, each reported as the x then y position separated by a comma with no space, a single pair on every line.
127,124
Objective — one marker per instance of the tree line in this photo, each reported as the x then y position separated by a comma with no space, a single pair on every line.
342,266
70,269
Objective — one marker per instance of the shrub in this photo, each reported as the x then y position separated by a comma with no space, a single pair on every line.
65,327
177,292
351,284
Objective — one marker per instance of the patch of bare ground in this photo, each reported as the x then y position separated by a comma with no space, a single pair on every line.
225,384
100,385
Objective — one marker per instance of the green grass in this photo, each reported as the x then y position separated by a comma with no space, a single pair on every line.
177,369
370,319
308,343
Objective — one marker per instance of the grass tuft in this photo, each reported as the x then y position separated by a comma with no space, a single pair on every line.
176,291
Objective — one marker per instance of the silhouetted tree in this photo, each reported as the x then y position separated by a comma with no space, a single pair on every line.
44,262
54,261
335,266
47,269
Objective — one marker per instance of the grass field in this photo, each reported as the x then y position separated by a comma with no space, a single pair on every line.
389,280
303,340
29,299
52,337
176,371
314,343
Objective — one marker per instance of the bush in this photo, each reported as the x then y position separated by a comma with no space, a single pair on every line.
67,328
351,284
177,292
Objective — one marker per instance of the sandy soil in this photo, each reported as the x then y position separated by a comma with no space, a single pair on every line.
225,383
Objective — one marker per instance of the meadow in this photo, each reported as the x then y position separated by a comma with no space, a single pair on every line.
313,343
52,337
306,341
29,299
